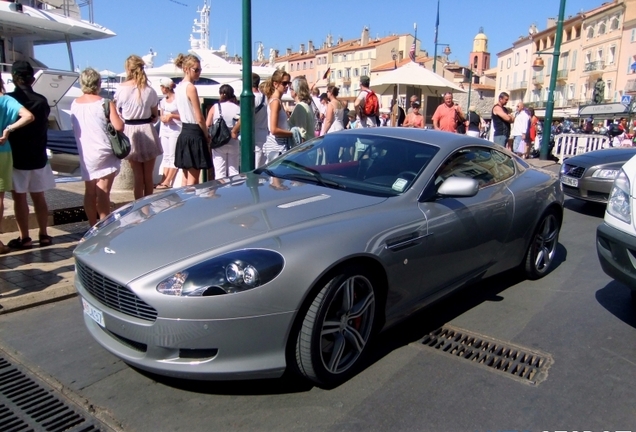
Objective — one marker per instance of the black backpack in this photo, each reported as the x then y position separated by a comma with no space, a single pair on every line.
219,131
613,130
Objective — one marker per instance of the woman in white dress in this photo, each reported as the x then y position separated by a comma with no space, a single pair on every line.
225,158
98,164
168,133
334,118
279,134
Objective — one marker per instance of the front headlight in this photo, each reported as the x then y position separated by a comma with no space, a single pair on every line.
618,204
606,173
226,274
114,216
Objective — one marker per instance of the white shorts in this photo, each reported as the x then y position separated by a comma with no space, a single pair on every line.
33,181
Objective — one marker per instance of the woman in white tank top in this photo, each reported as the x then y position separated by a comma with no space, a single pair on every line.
279,134
334,118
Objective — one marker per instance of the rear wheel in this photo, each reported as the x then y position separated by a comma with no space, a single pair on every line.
542,249
337,328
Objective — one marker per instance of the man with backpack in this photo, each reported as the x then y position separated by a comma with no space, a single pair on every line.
367,105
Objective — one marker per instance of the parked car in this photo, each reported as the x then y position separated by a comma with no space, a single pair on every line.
300,263
616,236
590,176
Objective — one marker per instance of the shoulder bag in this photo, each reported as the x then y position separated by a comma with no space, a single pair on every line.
219,131
118,141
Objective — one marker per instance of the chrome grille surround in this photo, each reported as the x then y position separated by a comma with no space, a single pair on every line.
112,294
573,171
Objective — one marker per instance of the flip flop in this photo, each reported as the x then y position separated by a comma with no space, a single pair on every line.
21,243
45,240
163,186
4,249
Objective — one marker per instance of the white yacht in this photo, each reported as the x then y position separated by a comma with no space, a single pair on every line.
218,67
29,23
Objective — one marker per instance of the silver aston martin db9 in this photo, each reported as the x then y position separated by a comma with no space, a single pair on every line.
300,263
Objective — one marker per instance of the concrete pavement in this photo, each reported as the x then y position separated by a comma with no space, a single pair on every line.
45,274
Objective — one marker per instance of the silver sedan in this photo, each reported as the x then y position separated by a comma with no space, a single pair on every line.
300,263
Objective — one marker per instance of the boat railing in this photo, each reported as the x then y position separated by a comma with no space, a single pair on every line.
67,8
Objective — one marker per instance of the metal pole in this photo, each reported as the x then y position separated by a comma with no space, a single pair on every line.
247,96
549,109
470,86
70,52
435,42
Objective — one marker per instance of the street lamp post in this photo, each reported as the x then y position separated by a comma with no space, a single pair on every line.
537,65
247,96
470,87
447,52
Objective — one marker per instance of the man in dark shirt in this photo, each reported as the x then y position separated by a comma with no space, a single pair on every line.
31,171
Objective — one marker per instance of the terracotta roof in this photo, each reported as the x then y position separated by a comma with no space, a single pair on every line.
355,44
391,65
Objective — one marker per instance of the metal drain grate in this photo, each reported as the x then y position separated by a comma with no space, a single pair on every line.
28,404
514,361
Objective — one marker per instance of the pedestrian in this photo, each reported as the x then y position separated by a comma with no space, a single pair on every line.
279,134
366,105
136,103
31,170
168,133
353,123
98,163
414,119
319,109
501,120
226,157
532,131
520,127
334,119
398,116
193,144
13,116
447,115
260,122
303,115
474,122
412,101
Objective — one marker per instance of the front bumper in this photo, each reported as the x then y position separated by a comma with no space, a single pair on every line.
590,189
617,253
222,349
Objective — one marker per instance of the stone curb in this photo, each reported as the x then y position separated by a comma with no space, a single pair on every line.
48,295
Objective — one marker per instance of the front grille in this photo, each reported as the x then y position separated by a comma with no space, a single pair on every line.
573,171
114,295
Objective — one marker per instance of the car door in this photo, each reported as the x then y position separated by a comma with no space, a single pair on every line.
466,235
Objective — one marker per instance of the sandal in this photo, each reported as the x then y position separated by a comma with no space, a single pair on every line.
4,249
21,243
163,186
45,240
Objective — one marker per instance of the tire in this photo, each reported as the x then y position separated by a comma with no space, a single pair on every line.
634,298
337,328
542,249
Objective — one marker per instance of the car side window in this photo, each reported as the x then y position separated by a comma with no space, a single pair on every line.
485,165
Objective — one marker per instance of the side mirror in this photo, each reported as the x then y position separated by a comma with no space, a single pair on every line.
458,187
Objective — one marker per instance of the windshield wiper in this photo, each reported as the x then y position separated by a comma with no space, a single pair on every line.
267,171
310,174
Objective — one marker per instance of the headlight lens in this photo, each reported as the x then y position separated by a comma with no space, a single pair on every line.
618,204
606,173
226,274
114,216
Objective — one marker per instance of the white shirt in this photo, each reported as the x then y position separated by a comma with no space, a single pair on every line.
183,103
260,119
520,126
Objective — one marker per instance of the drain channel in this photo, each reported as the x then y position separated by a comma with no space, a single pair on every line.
28,404
514,361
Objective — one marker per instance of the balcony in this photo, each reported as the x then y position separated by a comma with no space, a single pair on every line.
630,87
562,75
346,81
537,80
536,104
594,68
521,85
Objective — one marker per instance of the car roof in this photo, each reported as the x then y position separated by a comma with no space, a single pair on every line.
446,140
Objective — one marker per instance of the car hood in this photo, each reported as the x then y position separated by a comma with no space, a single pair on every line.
185,222
601,157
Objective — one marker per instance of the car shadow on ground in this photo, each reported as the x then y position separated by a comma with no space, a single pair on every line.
585,207
410,330
616,298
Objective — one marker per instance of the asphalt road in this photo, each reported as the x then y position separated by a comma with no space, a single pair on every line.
577,315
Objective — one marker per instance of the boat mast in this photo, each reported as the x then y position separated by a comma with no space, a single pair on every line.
202,28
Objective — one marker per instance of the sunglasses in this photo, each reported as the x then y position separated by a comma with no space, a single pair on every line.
285,83
196,70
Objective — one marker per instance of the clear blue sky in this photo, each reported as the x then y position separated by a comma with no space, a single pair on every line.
165,25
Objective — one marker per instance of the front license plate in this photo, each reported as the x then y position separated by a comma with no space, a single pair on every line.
570,181
94,313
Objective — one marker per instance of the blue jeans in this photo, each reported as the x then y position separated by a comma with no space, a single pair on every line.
502,140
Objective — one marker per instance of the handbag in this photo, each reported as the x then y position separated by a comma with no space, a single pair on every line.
118,141
219,131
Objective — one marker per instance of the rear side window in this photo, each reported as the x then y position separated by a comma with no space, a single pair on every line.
485,165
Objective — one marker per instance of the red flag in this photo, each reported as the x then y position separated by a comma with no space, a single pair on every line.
326,75
412,52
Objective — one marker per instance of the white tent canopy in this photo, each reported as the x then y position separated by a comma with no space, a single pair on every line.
412,74
108,74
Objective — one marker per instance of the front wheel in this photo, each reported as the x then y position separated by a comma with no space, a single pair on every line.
542,249
337,328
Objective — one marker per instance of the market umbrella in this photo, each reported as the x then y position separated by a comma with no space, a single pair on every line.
412,74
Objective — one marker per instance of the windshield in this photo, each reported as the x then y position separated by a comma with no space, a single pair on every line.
359,163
